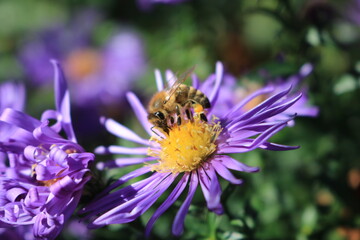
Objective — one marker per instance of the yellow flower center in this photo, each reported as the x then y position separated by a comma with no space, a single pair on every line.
187,146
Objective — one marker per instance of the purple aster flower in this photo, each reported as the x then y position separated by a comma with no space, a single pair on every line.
100,76
41,180
192,154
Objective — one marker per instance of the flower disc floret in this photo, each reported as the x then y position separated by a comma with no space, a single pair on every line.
186,147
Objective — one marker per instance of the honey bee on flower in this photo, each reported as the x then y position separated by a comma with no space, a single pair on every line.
166,106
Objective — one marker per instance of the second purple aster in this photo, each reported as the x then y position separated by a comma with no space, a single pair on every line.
43,174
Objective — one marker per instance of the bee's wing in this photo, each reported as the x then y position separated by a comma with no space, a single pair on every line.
177,81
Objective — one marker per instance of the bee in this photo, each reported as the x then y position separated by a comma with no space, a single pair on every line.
173,100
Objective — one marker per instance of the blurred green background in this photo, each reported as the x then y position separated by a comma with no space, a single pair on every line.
309,193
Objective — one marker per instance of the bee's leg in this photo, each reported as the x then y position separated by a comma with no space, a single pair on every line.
178,114
172,120
203,117
178,109
179,121
187,107
188,113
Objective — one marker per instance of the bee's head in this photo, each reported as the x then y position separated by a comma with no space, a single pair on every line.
159,120
157,117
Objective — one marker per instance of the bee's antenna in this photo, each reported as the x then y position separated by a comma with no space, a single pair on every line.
155,132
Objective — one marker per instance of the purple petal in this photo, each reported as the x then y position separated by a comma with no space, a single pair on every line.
219,77
123,162
248,98
130,210
139,111
232,163
264,105
19,119
119,182
120,150
225,173
50,115
195,81
47,226
238,147
178,225
277,147
13,193
170,77
211,188
159,81
62,101
123,132
168,202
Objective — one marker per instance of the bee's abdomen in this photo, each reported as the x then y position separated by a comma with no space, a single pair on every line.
199,97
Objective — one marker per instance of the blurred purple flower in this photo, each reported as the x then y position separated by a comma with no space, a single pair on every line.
194,152
17,233
56,42
78,230
353,11
119,64
147,4
41,180
12,95
100,76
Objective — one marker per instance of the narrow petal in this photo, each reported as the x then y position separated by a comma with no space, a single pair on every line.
234,164
105,201
123,162
170,77
52,115
136,173
168,202
19,119
120,150
219,72
272,111
62,101
139,111
250,97
277,147
123,132
195,81
159,80
233,115
211,188
137,206
178,225
245,145
225,173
